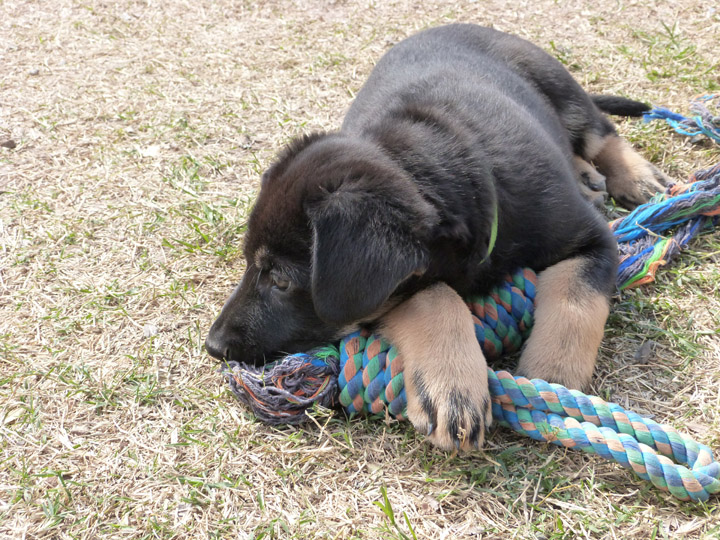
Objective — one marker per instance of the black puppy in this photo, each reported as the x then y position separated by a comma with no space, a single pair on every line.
457,163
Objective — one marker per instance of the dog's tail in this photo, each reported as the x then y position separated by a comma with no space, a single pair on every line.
618,105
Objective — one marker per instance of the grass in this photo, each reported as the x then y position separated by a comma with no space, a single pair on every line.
141,132
668,54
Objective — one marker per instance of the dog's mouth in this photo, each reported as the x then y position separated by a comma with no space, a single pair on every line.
259,359
229,354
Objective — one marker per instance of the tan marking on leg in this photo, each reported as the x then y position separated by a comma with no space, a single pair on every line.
593,144
569,324
435,336
630,179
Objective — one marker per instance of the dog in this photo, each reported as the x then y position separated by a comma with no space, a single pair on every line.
468,153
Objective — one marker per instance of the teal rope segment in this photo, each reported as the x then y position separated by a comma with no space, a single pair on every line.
703,122
552,413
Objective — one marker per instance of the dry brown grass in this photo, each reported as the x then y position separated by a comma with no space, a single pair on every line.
141,130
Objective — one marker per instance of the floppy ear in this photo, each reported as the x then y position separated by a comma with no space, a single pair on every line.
365,244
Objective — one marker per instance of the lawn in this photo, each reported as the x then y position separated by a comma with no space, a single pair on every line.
139,132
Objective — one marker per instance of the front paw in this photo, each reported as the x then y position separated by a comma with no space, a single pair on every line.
453,411
445,371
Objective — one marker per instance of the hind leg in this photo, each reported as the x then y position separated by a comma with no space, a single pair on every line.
631,180
572,305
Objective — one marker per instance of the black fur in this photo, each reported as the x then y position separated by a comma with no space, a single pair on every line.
426,402
619,105
454,124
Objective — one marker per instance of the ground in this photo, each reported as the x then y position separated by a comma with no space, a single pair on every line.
141,129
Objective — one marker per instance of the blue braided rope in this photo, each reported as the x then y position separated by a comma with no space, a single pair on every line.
664,211
552,413
703,122
691,208
657,453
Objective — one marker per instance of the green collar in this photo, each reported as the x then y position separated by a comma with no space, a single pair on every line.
493,233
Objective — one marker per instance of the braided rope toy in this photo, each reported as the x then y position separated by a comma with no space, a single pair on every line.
542,411
691,208
702,123
365,374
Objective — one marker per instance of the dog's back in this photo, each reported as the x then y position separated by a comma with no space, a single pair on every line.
470,126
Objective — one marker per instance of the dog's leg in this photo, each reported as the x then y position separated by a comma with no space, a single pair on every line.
571,308
444,368
631,180
591,182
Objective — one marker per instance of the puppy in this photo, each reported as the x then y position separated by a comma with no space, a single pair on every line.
457,162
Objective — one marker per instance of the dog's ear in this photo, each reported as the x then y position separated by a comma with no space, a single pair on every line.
366,241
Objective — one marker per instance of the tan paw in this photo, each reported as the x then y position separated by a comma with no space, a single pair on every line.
444,368
631,180
453,408
644,182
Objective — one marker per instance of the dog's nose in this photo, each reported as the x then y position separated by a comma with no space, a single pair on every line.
216,347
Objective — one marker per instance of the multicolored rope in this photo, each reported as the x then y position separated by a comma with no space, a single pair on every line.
364,375
704,122
691,207
281,392
657,453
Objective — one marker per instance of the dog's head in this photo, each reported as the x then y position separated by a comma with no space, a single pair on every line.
336,229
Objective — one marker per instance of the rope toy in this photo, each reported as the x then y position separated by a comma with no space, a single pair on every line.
365,374
691,207
702,123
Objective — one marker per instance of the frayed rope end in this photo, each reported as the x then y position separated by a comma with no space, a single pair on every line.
281,392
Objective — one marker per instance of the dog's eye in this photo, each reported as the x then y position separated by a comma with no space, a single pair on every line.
280,282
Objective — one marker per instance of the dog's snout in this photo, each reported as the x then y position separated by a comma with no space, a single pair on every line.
216,346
